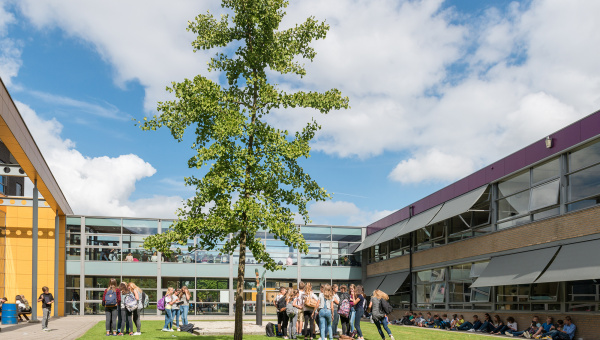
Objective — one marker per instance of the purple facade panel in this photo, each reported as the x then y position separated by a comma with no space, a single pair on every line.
563,139
590,126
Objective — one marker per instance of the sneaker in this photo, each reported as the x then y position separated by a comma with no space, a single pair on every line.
162,330
178,329
170,330
527,335
392,337
472,330
137,333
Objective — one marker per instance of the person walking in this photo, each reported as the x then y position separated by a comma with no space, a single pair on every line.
379,317
110,300
47,300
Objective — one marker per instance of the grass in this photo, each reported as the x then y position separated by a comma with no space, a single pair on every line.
152,330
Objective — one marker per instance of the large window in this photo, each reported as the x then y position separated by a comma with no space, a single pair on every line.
584,177
530,195
528,297
430,287
583,296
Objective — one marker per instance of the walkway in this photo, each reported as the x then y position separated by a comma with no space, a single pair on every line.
72,327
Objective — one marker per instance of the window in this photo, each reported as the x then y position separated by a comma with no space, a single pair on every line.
528,297
531,194
583,179
18,189
583,296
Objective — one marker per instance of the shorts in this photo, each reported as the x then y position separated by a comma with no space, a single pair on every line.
301,318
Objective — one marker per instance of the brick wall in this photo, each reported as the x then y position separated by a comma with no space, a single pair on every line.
575,224
587,324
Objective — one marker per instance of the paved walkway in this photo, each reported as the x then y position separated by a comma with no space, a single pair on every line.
72,327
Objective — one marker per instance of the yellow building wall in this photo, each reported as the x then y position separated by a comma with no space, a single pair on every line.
18,254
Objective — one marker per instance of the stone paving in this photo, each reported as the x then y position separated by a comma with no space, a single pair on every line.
72,327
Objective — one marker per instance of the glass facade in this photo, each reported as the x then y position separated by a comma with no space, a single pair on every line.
98,249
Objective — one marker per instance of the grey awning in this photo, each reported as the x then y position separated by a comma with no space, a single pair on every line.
419,221
519,268
370,240
392,231
392,282
372,283
578,261
458,205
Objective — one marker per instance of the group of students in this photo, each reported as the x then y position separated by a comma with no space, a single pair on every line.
301,308
176,303
122,306
561,330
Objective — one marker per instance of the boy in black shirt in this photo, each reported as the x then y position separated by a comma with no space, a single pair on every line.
46,299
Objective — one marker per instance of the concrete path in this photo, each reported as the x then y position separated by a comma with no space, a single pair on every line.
72,327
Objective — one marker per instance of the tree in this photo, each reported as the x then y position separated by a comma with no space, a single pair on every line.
252,177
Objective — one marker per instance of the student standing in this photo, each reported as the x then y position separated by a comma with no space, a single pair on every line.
110,300
138,294
124,325
336,306
185,304
47,300
309,312
325,312
345,320
168,314
359,309
175,309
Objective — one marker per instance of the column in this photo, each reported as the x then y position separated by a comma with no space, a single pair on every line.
56,250
34,254
82,294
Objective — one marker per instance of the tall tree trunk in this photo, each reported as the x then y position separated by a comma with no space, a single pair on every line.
238,333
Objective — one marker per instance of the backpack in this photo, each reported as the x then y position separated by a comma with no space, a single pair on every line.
160,305
311,302
385,307
344,309
144,301
110,298
291,310
269,330
130,302
189,328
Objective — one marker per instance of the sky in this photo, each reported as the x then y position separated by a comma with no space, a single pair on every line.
438,89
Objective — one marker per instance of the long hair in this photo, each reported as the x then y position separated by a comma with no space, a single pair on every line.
380,294
327,292
308,289
112,284
186,291
123,287
132,286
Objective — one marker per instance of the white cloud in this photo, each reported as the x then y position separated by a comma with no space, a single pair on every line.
10,49
347,212
96,185
528,70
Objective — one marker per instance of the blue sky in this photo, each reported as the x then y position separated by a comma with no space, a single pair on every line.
438,89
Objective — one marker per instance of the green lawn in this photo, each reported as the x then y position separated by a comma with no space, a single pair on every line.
151,330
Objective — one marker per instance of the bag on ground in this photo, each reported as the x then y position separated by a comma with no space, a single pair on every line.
385,307
188,328
269,330
110,298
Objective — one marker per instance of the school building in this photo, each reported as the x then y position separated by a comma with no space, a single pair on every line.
520,237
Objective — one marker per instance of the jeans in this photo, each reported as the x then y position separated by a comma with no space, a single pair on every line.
284,322
125,326
383,322
292,326
136,321
184,310
175,317
486,327
358,315
500,329
517,333
111,318
325,323
352,316
168,319
45,317
466,326
334,322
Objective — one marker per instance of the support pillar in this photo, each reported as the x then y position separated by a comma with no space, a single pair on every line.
56,251
34,254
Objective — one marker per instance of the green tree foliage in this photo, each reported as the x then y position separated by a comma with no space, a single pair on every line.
252,179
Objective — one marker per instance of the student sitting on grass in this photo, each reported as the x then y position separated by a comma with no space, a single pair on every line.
498,325
563,332
511,325
546,327
487,324
467,326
